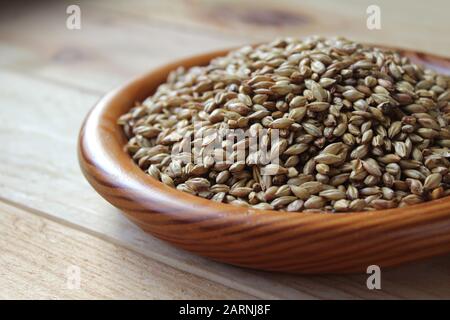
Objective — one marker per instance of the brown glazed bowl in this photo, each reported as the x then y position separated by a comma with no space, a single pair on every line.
268,240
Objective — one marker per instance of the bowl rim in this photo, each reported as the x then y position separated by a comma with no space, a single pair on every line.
101,149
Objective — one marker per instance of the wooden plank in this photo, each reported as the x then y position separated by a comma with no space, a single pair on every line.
40,260
39,170
110,47
119,40
403,23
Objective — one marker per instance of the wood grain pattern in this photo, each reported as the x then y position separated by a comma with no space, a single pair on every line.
260,239
64,72
39,258
259,20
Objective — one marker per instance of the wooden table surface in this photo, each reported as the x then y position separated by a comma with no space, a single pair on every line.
52,221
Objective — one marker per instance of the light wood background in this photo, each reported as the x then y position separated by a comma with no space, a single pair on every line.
51,219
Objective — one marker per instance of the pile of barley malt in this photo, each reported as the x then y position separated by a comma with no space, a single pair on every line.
360,128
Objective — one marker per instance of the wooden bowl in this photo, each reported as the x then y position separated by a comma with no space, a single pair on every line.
259,239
